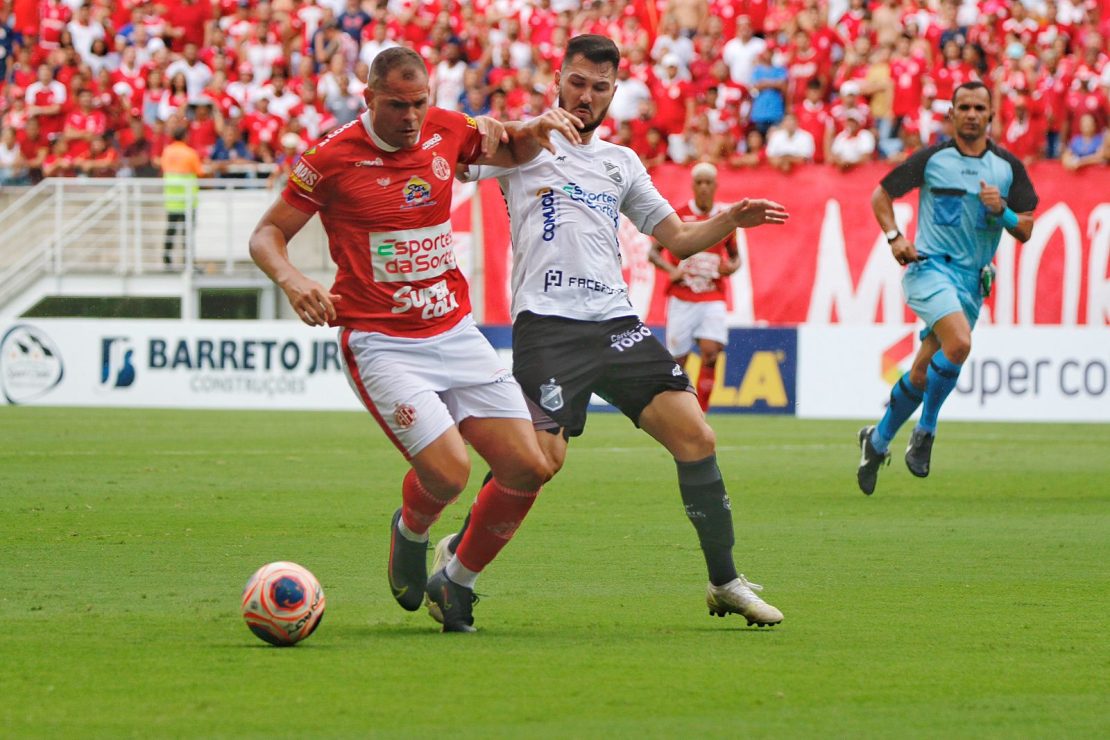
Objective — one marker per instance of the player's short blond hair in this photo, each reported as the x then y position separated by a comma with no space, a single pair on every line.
703,169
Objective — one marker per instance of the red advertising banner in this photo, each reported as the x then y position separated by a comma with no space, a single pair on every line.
831,265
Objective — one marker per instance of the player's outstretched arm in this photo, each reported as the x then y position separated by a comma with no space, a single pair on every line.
269,250
687,238
525,140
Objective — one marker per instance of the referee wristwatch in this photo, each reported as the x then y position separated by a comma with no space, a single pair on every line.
892,235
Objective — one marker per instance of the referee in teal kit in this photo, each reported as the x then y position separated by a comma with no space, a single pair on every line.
970,189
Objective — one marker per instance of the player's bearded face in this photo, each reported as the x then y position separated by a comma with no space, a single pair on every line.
586,90
398,109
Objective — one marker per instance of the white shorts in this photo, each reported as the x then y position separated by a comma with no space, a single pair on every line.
689,321
418,388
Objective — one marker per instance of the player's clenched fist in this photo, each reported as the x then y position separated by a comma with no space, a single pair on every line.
991,197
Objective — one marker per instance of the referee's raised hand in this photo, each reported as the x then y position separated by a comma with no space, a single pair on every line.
757,212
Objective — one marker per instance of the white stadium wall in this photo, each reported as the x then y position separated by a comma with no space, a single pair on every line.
1013,374
1027,374
172,364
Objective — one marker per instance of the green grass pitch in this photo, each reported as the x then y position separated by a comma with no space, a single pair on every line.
973,603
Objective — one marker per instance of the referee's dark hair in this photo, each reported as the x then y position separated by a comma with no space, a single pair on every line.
970,85
597,49
399,57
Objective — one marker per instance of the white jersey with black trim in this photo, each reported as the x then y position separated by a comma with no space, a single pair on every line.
564,210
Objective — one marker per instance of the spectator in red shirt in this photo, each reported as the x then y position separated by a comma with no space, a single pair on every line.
654,151
814,116
1085,97
136,148
53,17
188,22
16,116
910,134
45,98
850,101
1021,136
83,125
952,72
674,104
907,71
100,160
805,64
855,64
58,163
204,125
34,146
176,98
261,127
855,20
312,115
22,71
751,152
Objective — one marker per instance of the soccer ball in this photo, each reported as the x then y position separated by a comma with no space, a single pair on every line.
283,603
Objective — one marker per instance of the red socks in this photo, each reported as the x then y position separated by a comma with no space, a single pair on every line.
494,519
419,509
706,378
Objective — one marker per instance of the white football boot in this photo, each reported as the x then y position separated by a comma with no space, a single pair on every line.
738,597
440,557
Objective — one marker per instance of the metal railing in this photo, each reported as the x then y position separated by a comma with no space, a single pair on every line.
120,227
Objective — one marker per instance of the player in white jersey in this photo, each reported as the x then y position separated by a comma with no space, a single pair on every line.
575,332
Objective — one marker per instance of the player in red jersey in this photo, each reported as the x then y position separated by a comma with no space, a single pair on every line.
696,307
382,187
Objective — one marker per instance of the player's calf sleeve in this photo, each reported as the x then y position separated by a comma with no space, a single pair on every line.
419,508
905,397
940,379
707,376
494,519
708,508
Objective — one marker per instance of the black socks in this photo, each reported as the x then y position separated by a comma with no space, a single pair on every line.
707,507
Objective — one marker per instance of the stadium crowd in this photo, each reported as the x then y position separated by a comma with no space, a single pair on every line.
98,88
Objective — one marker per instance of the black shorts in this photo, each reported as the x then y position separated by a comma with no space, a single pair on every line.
560,362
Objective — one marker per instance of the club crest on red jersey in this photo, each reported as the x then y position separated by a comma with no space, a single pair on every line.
441,168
